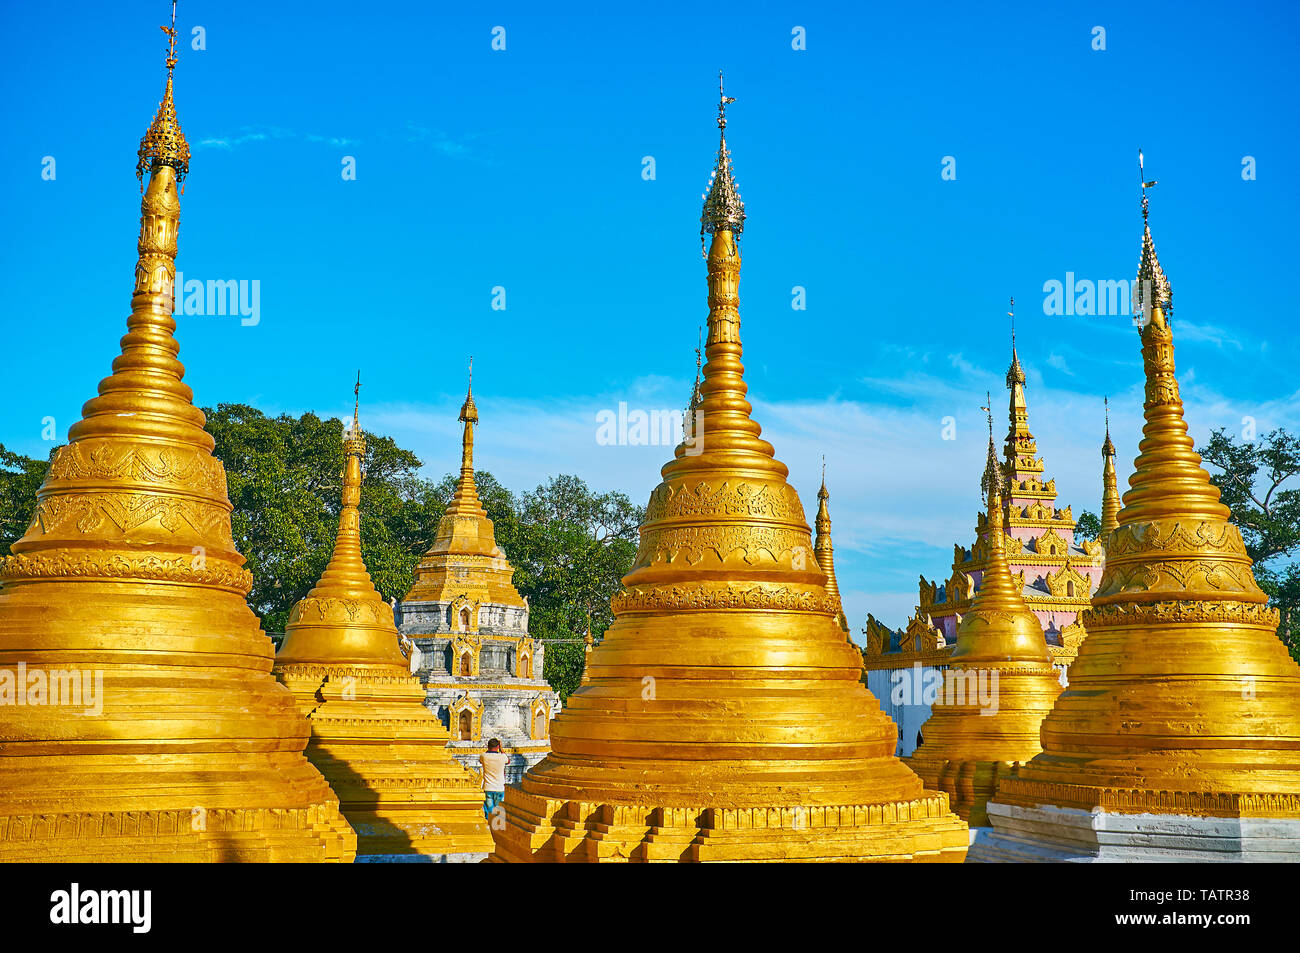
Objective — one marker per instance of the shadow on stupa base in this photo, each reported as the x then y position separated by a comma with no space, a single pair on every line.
549,830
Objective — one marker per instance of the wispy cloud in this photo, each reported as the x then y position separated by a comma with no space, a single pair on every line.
1209,334
251,134
439,140
1060,363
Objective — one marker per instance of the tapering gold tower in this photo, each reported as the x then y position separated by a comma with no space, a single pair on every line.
383,752
1109,485
1178,736
999,684
824,553
722,717
465,561
159,733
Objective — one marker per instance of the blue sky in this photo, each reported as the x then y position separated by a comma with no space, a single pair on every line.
522,169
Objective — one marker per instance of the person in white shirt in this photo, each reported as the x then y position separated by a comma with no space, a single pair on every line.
493,764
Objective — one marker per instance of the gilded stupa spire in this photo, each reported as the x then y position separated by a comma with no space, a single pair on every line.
723,208
1021,450
1015,373
1109,483
163,143
312,635
723,715
465,535
1151,289
465,500
977,731
128,572
824,551
1183,703
383,752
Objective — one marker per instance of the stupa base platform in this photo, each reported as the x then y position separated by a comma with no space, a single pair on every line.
549,830
1049,834
178,836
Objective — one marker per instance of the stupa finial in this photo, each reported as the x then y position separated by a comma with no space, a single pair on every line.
1151,290
163,143
991,467
468,410
1015,373
723,208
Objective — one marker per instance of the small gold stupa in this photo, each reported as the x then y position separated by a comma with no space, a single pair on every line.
383,752
1178,737
722,717
1109,485
999,684
159,733
824,553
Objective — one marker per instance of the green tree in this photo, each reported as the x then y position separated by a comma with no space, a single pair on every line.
1260,482
285,478
571,547
20,478
1087,527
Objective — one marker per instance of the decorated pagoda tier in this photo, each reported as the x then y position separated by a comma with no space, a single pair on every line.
165,737
721,717
383,752
481,671
1178,738
998,685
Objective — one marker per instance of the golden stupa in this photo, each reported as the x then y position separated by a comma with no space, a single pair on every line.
722,717
127,587
1179,733
999,684
384,753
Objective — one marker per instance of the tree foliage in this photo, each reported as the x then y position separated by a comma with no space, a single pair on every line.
1260,482
569,545
20,478
570,550
285,476
1087,527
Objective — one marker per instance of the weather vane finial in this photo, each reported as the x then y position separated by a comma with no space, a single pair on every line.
1142,178
723,100
171,40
